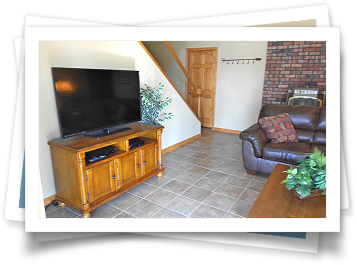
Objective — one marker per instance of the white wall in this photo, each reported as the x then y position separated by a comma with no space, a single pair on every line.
127,55
239,87
164,58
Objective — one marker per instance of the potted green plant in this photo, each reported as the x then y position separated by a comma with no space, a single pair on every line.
309,176
152,105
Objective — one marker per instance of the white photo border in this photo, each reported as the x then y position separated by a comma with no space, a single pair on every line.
33,35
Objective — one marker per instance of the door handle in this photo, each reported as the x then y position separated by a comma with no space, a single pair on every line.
113,177
190,93
137,165
144,163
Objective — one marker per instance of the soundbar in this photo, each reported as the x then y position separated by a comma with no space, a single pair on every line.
101,133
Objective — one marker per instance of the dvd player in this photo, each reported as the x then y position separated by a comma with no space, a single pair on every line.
99,154
133,143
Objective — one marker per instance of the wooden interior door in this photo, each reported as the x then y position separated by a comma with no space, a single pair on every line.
201,65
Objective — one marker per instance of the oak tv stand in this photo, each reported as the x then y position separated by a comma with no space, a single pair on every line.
85,186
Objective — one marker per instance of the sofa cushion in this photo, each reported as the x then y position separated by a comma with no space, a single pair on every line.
321,124
303,117
320,138
305,136
320,134
286,152
279,128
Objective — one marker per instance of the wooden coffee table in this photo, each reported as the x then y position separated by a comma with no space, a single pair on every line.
275,201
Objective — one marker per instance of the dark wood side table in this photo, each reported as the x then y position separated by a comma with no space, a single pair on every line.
275,201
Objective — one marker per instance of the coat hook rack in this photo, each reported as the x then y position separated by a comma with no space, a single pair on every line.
238,60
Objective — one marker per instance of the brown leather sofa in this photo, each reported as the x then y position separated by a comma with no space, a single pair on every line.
261,155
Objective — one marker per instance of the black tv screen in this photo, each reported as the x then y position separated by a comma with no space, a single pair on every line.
89,100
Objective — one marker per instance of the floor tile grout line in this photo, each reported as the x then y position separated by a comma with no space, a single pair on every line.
238,198
201,149
210,152
213,179
226,211
210,169
236,202
200,203
212,147
164,207
70,209
141,198
144,198
67,208
122,210
181,194
241,195
205,190
224,195
55,209
204,176
160,204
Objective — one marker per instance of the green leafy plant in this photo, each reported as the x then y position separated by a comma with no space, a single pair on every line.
308,175
152,105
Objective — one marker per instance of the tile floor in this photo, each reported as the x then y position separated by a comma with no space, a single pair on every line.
204,178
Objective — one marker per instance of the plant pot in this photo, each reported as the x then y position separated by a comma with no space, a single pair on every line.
314,193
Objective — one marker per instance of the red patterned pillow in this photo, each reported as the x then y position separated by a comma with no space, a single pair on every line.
279,128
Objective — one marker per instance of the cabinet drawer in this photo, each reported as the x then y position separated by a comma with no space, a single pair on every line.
101,181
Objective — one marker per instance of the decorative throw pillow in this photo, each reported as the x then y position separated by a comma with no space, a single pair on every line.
279,128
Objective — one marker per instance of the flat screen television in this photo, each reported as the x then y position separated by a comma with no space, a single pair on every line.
95,102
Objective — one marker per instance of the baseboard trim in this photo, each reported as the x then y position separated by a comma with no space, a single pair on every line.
48,200
226,130
172,147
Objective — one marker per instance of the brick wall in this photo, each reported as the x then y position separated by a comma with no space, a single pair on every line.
293,64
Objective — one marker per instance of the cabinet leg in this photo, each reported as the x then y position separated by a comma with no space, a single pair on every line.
159,175
62,205
86,215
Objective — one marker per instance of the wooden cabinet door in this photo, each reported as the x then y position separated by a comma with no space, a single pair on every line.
149,159
129,168
100,180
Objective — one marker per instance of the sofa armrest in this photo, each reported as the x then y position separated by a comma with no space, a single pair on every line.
257,137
